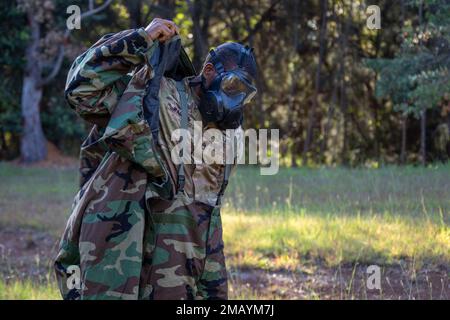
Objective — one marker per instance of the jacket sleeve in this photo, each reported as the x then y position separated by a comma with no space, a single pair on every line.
115,69
98,77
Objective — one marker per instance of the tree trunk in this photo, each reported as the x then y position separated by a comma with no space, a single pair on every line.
200,13
259,117
33,143
377,134
3,145
327,128
344,154
423,117
423,137
343,103
404,138
312,112
294,79
293,156
405,117
134,8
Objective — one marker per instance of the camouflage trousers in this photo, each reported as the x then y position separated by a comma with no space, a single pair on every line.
125,247
184,255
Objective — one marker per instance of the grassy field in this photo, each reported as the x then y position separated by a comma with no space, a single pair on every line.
28,290
340,215
293,225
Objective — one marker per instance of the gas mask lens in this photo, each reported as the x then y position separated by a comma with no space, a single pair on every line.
234,84
249,97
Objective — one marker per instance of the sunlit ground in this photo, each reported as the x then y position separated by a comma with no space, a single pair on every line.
299,234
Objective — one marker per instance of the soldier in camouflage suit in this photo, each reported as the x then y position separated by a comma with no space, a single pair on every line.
129,239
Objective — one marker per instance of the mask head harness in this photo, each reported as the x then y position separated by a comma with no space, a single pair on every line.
223,101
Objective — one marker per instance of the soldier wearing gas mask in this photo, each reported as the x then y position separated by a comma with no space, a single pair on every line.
225,91
143,227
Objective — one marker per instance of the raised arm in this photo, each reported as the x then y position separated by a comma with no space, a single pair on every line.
98,77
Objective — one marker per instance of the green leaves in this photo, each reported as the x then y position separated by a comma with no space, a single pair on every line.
418,77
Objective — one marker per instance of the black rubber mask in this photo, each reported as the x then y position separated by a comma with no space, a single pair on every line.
223,101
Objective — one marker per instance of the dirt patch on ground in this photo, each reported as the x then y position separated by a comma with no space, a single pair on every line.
346,282
55,159
27,254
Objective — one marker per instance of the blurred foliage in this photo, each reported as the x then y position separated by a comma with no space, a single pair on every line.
418,77
12,44
365,77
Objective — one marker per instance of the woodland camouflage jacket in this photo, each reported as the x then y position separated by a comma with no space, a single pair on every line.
120,166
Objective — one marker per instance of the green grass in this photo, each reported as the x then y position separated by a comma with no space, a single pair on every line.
28,290
406,191
36,197
300,216
288,240
338,215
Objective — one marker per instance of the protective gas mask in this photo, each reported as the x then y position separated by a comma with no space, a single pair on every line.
223,101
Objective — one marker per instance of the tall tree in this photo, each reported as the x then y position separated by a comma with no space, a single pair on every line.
343,102
317,82
417,79
405,116
39,59
423,111
200,11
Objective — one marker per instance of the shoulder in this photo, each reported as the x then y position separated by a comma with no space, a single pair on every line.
169,99
168,92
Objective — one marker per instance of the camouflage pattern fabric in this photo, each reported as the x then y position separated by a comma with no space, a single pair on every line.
128,240
184,255
100,90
